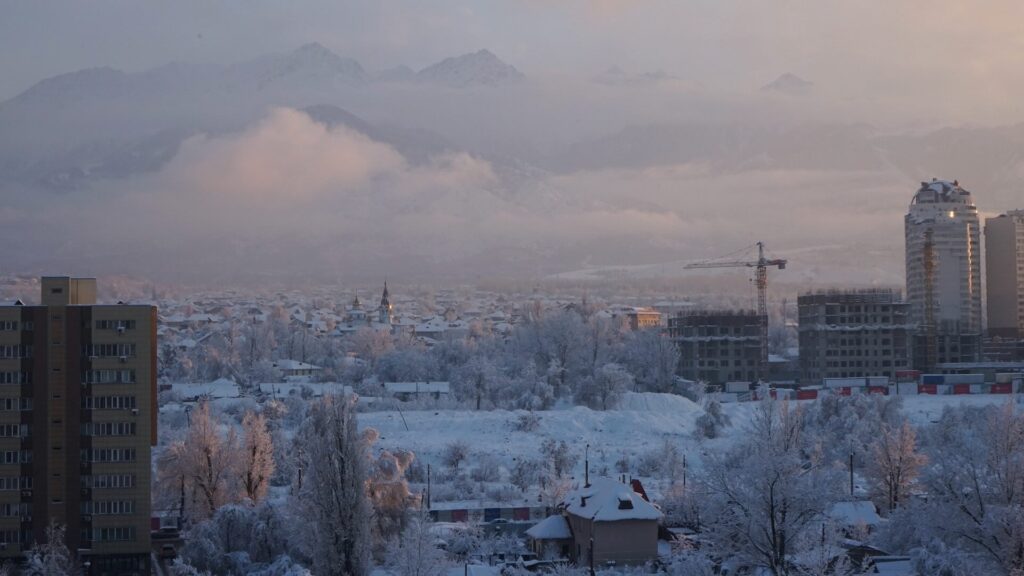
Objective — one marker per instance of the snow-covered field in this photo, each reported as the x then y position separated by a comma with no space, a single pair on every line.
641,424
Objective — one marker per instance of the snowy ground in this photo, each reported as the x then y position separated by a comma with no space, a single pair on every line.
640,425
643,423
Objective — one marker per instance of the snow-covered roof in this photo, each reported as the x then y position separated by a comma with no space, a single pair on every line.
551,528
607,500
855,513
417,387
286,364
220,388
279,389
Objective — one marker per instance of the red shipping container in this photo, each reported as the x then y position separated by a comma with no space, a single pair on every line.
927,389
460,515
961,388
845,391
806,394
883,390
521,514
1002,388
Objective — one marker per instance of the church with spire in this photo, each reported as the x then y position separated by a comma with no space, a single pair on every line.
357,316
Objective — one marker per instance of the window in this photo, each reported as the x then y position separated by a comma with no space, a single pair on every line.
13,483
107,481
109,350
16,457
14,431
108,377
108,402
116,534
115,324
16,351
108,454
8,325
15,377
105,428
108,507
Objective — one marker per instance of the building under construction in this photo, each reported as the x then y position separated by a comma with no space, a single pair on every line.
853,333
717,346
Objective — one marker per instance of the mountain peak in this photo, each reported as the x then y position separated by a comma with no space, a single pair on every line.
476,68
788,83
315,49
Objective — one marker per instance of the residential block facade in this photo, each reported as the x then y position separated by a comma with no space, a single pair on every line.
77,423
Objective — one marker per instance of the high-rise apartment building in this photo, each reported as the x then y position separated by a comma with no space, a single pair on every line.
1004,274
77,422
853,333
717,347
943,265
943,258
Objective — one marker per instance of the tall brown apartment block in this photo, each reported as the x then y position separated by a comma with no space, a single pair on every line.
77,423
1004,252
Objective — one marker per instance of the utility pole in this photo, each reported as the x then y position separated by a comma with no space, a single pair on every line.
586,466
851,474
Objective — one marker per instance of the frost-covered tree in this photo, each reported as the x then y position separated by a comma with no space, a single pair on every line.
710,423
560,458
204,464
455,453
894,465
257,457
415,553
240,540
651,357
51,557
769,491
975,483
605,388
389,493
332,500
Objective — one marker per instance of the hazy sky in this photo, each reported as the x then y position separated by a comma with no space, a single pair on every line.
967,52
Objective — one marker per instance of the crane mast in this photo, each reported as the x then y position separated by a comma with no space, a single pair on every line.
761,281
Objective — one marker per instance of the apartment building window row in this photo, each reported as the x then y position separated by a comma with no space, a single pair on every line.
106,481
109,507
109,350
15,404
106,429
16,457
108,377
16,351
14,483
116,534
15,509
15,536
8,325
14,431
108,402
15,377
115,324
108,454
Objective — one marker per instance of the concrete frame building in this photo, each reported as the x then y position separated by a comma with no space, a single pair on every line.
717,346
1004,274
853,333
77,423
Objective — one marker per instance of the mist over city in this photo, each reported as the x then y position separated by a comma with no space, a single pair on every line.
398,288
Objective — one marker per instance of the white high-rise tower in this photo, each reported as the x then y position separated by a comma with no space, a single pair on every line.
943,251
